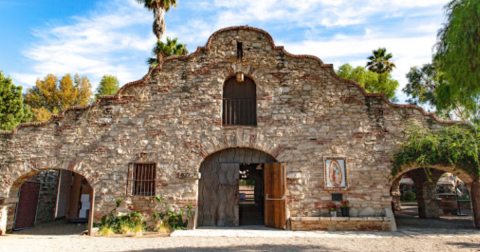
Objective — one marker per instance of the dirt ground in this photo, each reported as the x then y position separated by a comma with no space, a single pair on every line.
383,242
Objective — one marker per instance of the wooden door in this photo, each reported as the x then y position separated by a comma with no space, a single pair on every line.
275,195
27,205
220,208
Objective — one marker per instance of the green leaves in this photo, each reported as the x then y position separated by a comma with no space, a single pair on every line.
171,48
451,146
379,62
372,82
109,85
12,108
457,54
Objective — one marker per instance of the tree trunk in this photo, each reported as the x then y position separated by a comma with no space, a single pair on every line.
475,193
159,22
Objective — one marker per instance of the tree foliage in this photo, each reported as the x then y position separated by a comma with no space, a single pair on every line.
423,85
12,109
379,62
109,85
51,96
371,81
458,55
171,48
451,146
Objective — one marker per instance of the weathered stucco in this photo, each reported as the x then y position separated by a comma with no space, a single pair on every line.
173,117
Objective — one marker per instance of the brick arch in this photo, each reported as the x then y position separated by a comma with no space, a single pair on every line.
204,149
464,176
426,188
18,182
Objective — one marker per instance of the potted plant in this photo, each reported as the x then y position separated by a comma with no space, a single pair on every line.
332,207
345,208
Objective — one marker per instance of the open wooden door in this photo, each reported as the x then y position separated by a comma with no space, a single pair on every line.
220,205
275,195
27,205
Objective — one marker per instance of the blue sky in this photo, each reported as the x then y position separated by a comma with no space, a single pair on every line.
93,38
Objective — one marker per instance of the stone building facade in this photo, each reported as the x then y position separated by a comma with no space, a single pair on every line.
173,118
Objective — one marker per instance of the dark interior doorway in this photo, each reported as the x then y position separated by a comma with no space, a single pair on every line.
251,190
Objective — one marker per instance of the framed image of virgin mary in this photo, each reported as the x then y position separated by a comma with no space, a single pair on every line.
335,172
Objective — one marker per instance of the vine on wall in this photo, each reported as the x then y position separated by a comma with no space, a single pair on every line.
456,146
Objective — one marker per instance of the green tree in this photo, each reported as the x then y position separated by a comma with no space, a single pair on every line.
167,49
51,96
422,87
159,7
379,62
12,109
372,82
457,54
109,85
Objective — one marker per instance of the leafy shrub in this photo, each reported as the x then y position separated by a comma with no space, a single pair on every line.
125,224
409,196
169,220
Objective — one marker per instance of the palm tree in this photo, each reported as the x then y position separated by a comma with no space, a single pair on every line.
379,62
167,49
159,7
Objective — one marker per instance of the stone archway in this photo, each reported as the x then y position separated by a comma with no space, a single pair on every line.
219,211
425,181
67,204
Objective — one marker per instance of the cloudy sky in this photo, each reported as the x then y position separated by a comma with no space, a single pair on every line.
93,38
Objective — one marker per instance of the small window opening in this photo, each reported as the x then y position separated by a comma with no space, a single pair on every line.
240,50
142,178
337,197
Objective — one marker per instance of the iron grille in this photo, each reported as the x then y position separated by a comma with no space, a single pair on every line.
239,112
142,179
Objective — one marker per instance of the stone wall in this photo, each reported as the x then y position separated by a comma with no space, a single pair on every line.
48,195
341,223
173,117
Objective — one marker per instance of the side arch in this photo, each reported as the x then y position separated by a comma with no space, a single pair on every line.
77,179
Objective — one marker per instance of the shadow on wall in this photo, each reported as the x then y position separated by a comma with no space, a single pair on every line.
265,247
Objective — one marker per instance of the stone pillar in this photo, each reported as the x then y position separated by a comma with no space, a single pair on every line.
3,219
427,192
475,195
396,195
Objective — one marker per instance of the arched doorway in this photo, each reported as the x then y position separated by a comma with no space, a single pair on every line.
233,186
432,198
52,202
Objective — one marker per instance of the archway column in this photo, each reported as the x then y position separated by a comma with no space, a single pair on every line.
3,219
427,192
475,195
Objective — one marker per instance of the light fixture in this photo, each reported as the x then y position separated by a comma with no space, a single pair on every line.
240,76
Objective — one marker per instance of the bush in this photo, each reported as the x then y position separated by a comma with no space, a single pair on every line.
409,196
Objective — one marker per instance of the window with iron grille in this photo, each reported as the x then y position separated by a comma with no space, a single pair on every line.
239,103
142,179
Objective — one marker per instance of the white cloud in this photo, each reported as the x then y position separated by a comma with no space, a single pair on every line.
117,37
109,41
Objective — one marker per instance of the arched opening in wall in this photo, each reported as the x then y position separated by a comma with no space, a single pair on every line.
432,198
50,202
239,103
241,186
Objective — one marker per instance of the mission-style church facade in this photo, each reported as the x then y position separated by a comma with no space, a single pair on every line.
246,132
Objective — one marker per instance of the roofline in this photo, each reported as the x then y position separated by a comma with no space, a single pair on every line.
206,47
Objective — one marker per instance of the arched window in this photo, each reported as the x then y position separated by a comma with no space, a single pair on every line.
239,103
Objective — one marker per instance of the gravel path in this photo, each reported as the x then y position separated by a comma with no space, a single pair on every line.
399,241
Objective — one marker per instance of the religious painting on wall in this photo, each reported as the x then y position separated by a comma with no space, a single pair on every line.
335,173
